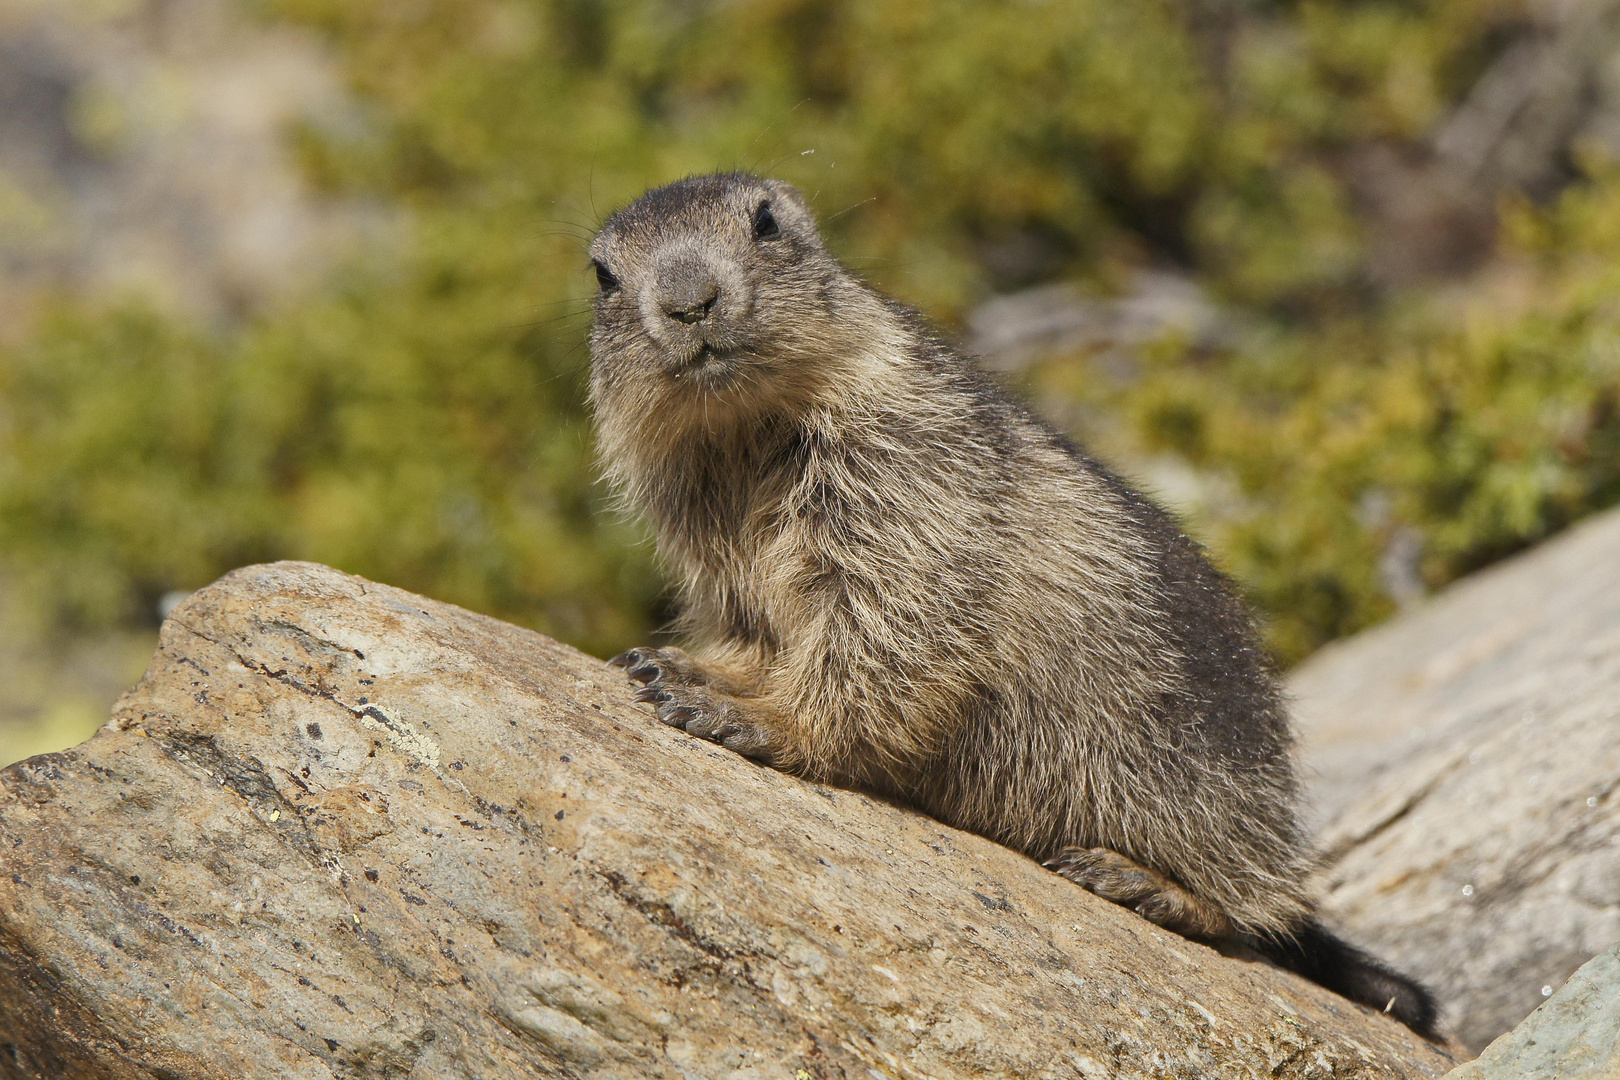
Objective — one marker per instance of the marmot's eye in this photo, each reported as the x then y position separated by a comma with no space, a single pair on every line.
765,226
604,277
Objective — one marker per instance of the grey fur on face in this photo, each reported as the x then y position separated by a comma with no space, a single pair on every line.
892,576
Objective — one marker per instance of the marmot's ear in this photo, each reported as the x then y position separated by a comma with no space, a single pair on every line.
790,209
781,191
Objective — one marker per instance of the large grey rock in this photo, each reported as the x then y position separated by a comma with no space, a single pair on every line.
1574,1036
343,831
1467,758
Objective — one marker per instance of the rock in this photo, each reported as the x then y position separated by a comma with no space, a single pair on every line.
1468,764
1012,331
343,831
1574,1036
1551,89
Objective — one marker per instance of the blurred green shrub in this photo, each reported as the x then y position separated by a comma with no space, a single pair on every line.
412,443
1471,427
421,420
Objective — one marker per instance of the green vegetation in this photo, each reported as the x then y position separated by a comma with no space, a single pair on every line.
1474,427
420,421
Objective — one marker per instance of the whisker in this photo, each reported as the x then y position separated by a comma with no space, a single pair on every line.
847,209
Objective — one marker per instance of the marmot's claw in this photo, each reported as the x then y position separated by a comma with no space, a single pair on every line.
654,694
677,715
745,739
630,661
643,665
723,727
704,724
638,664
645,671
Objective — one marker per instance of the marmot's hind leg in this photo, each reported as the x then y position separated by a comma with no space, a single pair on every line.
1149,893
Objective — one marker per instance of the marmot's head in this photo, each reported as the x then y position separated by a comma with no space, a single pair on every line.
717,298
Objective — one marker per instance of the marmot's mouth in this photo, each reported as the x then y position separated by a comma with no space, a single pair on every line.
707,366
707,355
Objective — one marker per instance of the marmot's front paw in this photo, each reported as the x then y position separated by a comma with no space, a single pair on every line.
672,685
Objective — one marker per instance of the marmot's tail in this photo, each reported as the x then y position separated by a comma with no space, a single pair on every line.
1346,970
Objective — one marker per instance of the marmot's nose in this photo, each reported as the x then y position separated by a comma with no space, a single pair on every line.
694,311
687,289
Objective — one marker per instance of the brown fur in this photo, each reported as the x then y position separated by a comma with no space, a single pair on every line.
892,576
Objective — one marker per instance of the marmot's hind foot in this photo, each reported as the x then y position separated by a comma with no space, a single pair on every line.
1149,893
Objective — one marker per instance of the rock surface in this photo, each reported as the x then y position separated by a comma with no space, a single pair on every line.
1468,764
344,831
1574,1036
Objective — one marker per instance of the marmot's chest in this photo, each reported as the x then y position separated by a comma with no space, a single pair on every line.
764,583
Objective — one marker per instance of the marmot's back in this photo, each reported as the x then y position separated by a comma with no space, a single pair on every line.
893,576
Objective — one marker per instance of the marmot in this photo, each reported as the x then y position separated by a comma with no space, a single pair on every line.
892,576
